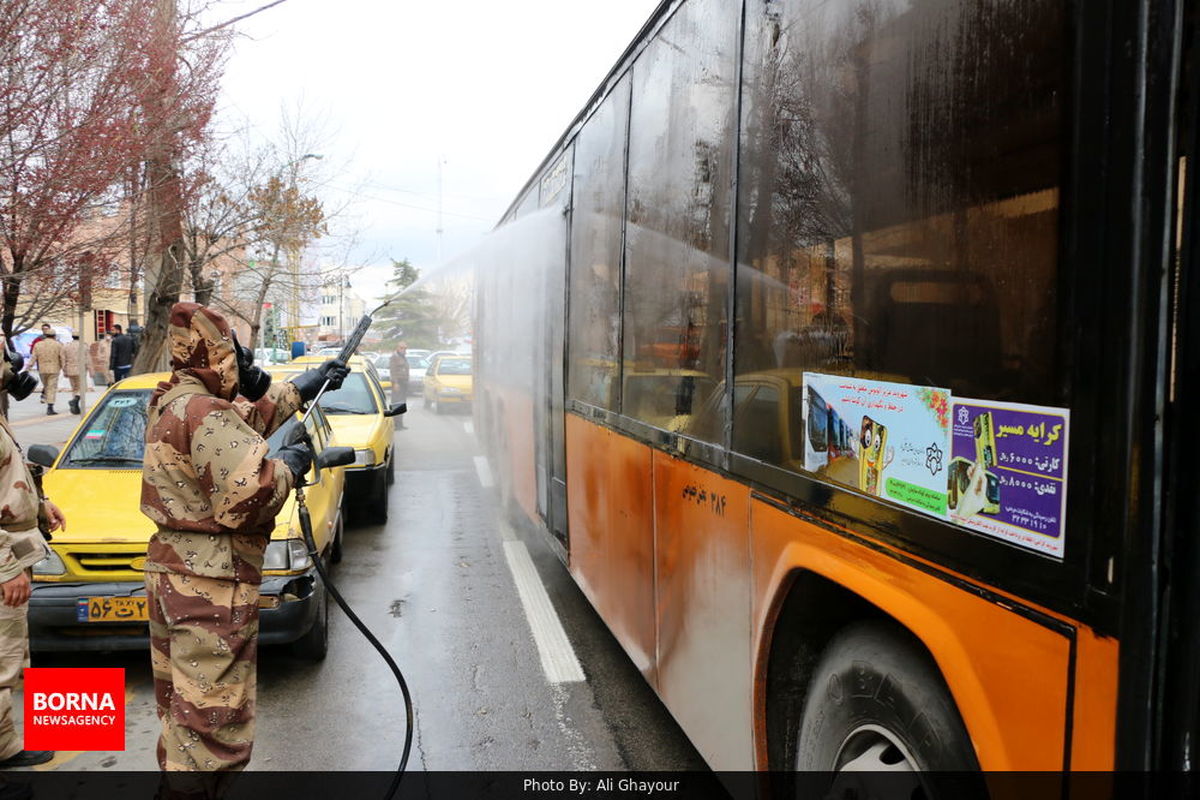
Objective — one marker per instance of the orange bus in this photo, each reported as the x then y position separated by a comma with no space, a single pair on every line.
841,351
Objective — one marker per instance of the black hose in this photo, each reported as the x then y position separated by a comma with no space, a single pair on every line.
306,529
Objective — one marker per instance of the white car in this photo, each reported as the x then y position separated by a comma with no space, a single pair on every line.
416,372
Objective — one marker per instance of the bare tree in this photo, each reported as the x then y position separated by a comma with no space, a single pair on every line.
71,72
184,73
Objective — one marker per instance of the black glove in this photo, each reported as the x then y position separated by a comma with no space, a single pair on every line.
297,457
253,381
309,383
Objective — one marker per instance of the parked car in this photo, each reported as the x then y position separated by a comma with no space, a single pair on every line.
361,418
438,353
448,383
89,593
416,373
271,355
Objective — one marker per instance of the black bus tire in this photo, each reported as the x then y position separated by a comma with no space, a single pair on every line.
877,699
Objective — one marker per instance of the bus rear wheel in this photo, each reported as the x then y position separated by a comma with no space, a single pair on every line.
877,706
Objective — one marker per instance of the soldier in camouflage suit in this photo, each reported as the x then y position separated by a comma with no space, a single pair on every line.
209,486
21,546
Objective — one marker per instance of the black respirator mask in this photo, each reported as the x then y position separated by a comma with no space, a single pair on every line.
21,384
253,381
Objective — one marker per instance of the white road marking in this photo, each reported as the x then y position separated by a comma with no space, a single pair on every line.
469,427
558,657
484,471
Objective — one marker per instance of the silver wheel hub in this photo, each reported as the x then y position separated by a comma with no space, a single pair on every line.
874,763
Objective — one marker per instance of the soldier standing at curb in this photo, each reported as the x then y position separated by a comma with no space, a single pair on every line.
47,360
21,546
400,373
209,486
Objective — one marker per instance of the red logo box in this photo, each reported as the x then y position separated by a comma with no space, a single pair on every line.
74,708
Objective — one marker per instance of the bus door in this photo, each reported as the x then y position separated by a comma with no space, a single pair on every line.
549,421
1178,648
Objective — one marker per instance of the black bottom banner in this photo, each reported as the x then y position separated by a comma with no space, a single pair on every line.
606,785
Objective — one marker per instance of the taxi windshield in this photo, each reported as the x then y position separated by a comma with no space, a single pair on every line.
354,397
115,433
454,366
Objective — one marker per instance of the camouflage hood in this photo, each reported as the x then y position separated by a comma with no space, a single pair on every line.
201,347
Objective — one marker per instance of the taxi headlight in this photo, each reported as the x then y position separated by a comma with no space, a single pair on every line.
364,458
286,555
50,565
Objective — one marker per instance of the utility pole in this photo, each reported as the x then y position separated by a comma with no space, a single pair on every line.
441,161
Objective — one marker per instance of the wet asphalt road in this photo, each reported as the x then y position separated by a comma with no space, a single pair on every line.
436,588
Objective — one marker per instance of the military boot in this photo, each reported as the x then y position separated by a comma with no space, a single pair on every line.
74,404
50,409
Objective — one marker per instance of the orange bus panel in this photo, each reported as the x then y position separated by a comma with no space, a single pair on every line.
1095,730
689,571
703,597
611,514
1007,674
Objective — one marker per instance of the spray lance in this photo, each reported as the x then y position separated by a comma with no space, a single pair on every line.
348,350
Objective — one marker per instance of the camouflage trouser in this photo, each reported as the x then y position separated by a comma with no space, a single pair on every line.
49,386
76,384
14,657
203,650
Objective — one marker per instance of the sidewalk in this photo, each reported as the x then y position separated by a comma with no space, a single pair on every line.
32,425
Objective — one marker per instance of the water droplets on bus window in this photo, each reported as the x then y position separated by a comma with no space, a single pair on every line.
898,201
595,281
679,209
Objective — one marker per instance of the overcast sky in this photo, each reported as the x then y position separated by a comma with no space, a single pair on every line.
395,85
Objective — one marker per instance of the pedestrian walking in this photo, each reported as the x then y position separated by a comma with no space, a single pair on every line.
399,370
21,546
72,367
45,329
98,360
122,349
48,361
212,491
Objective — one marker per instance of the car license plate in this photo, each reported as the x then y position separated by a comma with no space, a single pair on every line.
112,609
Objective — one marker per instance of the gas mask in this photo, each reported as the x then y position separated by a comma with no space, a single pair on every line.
253,381
19,384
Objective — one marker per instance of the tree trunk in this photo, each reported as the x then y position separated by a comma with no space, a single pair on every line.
12,295
201,287
165,196
256,320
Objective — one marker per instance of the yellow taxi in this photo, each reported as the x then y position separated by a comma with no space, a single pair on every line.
89,594
361,418
666,398
448,382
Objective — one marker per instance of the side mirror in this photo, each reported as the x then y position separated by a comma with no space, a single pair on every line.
43,454
398,408
335,457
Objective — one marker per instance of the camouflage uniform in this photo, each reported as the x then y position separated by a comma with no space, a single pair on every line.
213,493
48,356
72,367
21,546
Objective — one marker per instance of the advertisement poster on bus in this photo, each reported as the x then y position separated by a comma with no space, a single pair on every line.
891,440
1008,472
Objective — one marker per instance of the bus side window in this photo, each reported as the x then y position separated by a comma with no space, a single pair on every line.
756,426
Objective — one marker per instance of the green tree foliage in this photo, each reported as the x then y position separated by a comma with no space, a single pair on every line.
413,316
